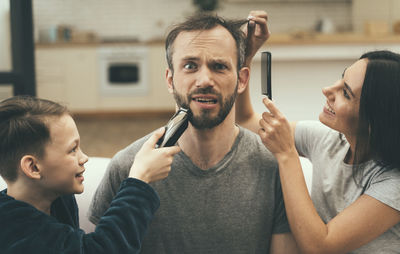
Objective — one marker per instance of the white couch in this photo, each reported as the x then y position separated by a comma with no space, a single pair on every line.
95,169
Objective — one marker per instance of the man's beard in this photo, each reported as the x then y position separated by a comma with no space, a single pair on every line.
205,120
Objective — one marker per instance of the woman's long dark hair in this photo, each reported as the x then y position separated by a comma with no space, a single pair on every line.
378,135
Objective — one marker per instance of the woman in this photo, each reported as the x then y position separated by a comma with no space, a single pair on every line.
355,200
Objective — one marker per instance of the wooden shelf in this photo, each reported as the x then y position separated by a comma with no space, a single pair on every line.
302,38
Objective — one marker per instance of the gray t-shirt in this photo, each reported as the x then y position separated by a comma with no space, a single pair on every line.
233,207
333,188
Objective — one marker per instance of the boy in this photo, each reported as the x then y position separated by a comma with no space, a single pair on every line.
42,164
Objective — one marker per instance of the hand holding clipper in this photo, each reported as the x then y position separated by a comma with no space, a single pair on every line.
174,128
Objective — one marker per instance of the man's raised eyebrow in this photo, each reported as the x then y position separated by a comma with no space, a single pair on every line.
349,89
220,60
190,58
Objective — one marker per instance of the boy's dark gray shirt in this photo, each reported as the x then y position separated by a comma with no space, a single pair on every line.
233,207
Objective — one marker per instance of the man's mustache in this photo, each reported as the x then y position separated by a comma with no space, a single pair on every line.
204,90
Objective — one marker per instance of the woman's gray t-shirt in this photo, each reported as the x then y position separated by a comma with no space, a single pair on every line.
333,187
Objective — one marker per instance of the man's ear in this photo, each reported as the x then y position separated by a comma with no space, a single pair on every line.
169,80
243,79
29,167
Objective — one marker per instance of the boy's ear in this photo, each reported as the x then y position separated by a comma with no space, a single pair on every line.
29,167
169,80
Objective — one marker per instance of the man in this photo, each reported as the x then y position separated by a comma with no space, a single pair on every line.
223,194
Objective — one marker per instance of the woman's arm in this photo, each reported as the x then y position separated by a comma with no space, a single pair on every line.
350,229
257,33
245,114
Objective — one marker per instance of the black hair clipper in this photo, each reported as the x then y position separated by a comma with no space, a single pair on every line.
174,128
266,74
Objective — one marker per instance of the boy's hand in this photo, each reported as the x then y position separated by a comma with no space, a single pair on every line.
153,164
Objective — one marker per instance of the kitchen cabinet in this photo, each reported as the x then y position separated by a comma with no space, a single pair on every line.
70,74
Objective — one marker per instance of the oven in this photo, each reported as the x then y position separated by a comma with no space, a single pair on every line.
123,70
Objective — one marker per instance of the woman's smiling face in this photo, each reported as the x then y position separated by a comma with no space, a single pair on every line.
343,100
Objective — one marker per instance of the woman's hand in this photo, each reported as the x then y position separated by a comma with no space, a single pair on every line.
257,33
276,132
153,164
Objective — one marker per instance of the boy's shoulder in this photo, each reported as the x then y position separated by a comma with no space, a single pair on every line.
25,227
8,205
19,216
64,209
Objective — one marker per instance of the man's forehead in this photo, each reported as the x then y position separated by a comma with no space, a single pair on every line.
213,34
217,42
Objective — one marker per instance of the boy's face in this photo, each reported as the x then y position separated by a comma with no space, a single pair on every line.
63,162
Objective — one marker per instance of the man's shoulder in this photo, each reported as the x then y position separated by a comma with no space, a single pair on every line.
251,145
121,162
248,134
252,141
131,149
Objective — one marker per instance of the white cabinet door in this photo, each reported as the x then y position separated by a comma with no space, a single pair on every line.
68,75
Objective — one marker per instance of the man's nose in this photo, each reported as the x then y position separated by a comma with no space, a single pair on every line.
204,77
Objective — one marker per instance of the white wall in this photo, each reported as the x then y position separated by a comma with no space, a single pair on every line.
387,11
5,46
5,49
148,19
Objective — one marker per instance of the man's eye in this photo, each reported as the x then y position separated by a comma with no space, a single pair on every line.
189,66
73,150
219,66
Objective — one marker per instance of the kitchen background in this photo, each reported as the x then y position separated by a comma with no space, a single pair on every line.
79,42
147,20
